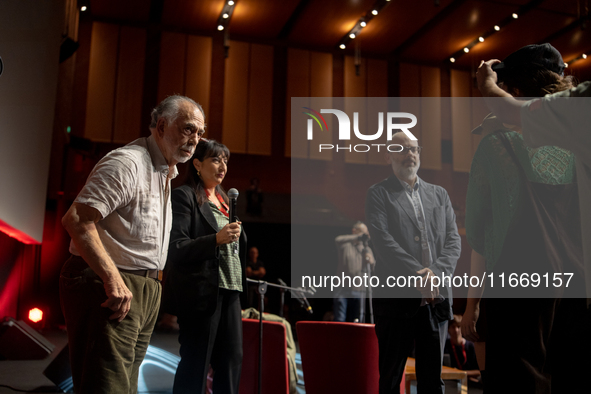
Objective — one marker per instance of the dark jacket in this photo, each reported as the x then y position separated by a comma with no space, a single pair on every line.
395,235
192,277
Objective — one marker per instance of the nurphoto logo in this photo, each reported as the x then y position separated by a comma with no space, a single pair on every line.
345,129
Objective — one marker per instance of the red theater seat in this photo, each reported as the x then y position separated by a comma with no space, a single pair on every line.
339,357
275,373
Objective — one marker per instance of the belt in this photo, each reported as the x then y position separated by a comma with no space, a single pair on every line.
154,274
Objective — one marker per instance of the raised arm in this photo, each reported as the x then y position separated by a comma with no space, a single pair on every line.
501,103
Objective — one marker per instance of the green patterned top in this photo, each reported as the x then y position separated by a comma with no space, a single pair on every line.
495,189
230,268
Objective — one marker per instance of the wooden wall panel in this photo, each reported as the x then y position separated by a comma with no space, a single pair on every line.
198,71
430,118
298,85
460,84
171,77
461,119
101,82
260,100
377,86
355,86
377,78
321,97
321,74
236,88
410,86
410,80
130,81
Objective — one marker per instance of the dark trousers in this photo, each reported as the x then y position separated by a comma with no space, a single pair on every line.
396,338
217,340
347,305
106,355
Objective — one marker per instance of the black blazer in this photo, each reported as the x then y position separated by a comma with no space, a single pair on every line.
192,277
395,234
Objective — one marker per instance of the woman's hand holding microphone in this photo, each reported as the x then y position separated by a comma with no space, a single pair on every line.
228,234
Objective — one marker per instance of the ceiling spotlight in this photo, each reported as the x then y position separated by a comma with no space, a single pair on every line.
351,36
584,56
230,2
481,39
220,27
225,16
497,28
342,46
466,49
363,24
452,59
515,16
83,8
375,12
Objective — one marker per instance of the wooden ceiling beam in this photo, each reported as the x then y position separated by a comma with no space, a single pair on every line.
563,31
427,27
295,16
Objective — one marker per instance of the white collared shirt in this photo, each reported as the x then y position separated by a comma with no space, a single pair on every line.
412,192
130,187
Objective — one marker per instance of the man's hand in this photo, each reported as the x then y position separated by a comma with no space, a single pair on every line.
468,324
118,298
80,222
486,77
427,283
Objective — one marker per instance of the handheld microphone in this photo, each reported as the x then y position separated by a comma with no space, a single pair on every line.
233,196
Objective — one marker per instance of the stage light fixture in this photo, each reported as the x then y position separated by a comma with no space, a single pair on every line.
362,22
226,15
35,315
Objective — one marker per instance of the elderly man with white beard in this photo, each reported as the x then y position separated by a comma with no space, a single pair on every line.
414,233
120,227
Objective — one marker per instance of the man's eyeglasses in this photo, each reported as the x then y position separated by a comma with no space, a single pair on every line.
414,149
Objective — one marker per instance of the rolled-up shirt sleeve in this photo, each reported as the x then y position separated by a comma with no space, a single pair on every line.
110,184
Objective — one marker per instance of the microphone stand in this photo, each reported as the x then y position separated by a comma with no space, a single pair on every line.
367,293
261,290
